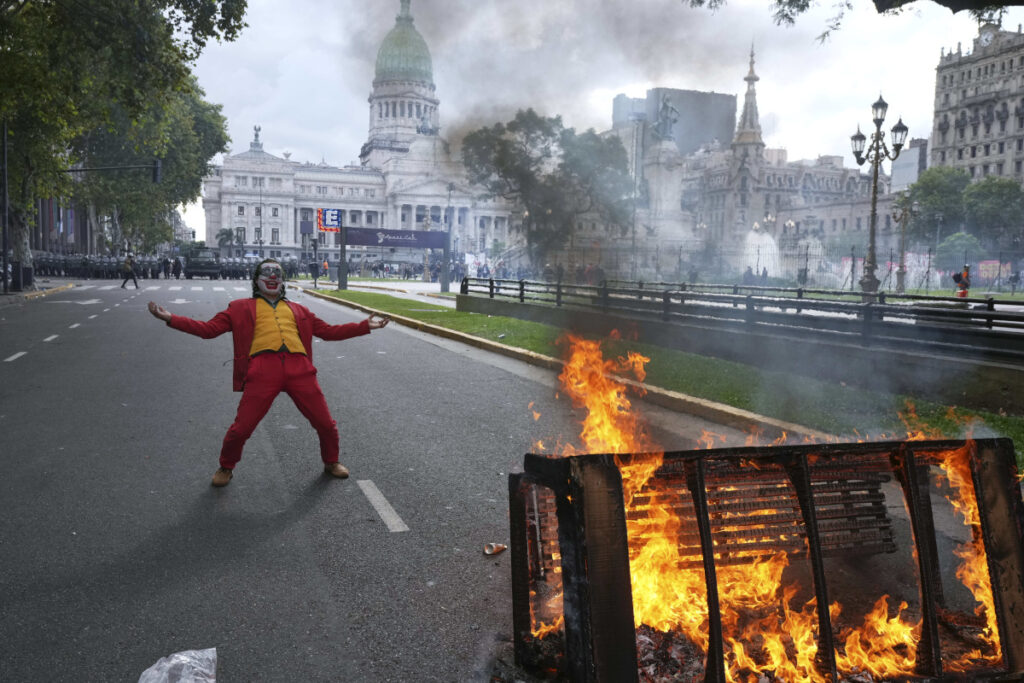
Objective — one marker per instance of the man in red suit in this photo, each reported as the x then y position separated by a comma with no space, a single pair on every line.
273,352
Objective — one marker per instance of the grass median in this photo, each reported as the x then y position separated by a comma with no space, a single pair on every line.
826,406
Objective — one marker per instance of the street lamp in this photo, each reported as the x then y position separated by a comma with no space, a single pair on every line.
447,256
260,238
904,210
877,152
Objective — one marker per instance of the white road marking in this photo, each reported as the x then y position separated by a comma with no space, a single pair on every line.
239,289
93,316
82,287
51,337
105,310
387,513
108,287
218,289
16,356
151,288
197,289
178,301
71,327
174,289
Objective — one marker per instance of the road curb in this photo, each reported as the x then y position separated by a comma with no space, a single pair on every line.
719,413
11,299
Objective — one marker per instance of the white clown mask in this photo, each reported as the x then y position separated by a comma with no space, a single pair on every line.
270,280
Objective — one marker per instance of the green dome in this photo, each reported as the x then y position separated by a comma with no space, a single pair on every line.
403,56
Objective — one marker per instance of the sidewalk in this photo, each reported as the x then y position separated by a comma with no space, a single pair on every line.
39,288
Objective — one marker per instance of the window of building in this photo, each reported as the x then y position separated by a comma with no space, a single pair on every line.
257,234
942,157
273,212
1002,126
257,182
974,151
275,236
844,225
984,170
371,193
305,214
999,168
970,169
241,210
988,148
858,222
1020,144
241,181
1002,147
257,211
960,154
1017,167
240,235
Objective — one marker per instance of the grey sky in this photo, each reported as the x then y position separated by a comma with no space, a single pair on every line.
304,68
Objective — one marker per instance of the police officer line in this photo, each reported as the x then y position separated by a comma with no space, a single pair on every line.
170,288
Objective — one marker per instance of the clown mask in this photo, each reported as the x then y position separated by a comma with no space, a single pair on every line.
270,281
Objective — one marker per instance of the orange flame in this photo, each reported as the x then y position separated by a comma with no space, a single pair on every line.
763,630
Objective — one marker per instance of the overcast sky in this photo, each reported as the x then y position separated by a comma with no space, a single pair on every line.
303,69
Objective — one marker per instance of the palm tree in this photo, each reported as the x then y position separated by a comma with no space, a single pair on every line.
225,237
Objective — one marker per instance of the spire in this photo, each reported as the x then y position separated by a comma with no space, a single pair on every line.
405,14
748,131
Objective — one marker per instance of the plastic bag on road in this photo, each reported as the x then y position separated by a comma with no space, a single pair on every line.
190,666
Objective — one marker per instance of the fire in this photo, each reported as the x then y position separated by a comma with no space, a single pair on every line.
973,570
765,627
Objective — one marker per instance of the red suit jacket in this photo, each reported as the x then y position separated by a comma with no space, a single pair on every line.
240,318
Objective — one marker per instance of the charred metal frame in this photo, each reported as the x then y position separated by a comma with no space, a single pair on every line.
600,640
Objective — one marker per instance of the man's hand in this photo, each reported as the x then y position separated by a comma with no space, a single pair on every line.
159,311
374,321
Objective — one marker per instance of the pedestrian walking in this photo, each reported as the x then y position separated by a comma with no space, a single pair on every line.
273,352
128,269
176,268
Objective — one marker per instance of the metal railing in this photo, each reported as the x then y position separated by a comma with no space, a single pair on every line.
985,328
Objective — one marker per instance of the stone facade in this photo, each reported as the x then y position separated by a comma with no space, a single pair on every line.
979,106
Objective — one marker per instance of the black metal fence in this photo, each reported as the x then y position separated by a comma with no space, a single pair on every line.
981,328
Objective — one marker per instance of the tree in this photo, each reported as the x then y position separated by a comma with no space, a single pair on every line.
994,209
787,11
185,132
555,174
225,237
958,249
938,193
67,68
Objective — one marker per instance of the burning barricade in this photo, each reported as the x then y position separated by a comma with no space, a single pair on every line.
633,564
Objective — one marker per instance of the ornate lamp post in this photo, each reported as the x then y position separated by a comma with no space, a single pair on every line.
901,215
447,256
877,152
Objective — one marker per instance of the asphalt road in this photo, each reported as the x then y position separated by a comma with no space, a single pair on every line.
115,550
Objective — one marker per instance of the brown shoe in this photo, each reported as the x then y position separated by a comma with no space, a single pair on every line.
221,477
336,469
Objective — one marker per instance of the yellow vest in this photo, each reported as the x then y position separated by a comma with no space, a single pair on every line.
275,329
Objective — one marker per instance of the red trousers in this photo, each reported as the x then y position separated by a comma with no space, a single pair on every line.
269,374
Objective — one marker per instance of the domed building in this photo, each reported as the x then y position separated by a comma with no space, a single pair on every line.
405,179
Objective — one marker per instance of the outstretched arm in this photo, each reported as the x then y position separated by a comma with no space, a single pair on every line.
159,312
214,327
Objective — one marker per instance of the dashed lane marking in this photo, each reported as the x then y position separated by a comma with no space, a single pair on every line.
51,337
93,316
387,513
71,327
108,286
174,289
218,289
16,356
197,289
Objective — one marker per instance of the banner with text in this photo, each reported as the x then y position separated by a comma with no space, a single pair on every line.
329,220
